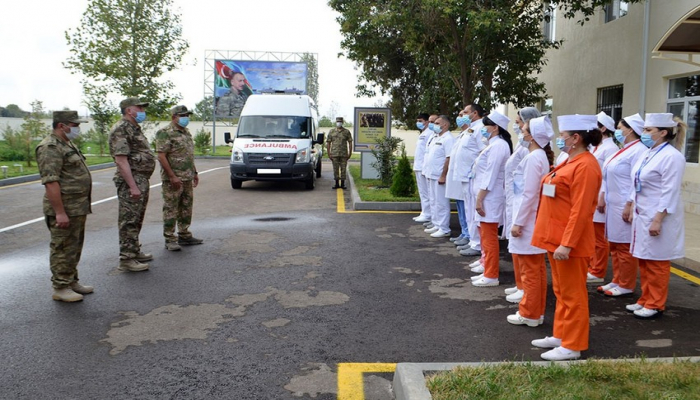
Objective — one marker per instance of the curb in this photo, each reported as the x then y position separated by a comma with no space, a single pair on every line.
409,378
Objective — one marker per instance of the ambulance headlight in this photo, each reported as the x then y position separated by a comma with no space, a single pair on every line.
237,155
303,155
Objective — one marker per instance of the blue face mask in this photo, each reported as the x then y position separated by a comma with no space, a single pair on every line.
420,126
484,132
140,117
647,140
467,120
183,121
461,122
561,144
437,128
517,130
431,126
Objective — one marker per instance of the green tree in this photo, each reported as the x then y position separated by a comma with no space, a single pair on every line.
311,76
13,111
325,122
404,181
202,140
23,141
103,113
203,110
385,154
127,46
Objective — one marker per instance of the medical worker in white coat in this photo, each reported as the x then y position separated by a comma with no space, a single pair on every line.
437,161
514,294
527,177
431,136
656,211
457,177
418,157
489,187
599,263
615,190
475,145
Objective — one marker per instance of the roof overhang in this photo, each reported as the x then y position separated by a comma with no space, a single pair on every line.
682,42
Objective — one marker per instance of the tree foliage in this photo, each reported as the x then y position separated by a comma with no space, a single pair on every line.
127,45
23,141
202,140
311,76
404,180
12,111
385,154
203,110
103,113
438,55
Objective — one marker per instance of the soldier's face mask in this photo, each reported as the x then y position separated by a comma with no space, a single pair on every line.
183,121
339,124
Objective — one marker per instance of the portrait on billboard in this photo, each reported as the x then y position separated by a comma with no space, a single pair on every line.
236,80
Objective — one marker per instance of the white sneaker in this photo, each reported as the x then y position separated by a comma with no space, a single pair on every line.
647,313
456,238
463,247
431,230
440,234
427,223
475,263
590,278
517,319
547,343
515,297
421,218
634,307
602,289
462,242
470,252
485,282
511,290
560,354
479,269
476,277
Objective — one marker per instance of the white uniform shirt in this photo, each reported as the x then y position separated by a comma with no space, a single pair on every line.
421,146
561,158
660,172
458,168
431,135
618,188
438,150
605,149
519,152
527,179
489,174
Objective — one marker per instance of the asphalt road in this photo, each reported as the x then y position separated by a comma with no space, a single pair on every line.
283,289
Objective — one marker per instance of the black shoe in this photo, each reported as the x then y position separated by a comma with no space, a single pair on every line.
342,184
189,241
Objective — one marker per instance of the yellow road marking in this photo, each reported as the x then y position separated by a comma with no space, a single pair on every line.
350,383
687,276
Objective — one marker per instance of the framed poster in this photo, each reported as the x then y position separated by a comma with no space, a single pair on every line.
369,125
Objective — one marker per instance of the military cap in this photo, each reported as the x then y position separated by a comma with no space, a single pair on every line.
67,116
180,110
132,101
339,119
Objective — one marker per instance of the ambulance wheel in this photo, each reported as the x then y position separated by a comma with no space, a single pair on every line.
310,183
318,169
236,184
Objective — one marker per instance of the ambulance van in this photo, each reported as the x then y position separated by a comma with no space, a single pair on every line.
277,140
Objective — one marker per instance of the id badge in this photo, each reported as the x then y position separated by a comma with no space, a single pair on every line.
638,186
548,189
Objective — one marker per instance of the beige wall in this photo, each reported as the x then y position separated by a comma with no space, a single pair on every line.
576,71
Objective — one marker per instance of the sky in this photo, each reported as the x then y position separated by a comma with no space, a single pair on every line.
34,48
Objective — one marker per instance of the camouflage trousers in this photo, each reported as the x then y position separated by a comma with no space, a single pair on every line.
131,214
65,249
177,210
340,165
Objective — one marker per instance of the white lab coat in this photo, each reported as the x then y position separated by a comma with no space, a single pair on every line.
421,146
561,158
475,146
660,180
526,184
458,169
489,174
601,152
617,187
430,137
519,152
438,150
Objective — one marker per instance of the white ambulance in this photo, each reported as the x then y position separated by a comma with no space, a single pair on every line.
277,139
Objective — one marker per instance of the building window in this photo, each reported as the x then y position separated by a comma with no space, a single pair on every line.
549,26
684,103
610,101
616,9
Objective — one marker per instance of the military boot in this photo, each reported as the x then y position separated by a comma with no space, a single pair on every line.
66,294
172,246
81,289
142,257
132,265
342,184
336,185
189,241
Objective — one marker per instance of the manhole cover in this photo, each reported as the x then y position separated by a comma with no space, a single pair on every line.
272,219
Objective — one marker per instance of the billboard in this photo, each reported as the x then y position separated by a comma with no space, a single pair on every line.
371,124
235,80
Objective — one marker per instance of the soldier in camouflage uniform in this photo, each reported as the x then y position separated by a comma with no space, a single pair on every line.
231,104
339,146
176,156
135,164
66,204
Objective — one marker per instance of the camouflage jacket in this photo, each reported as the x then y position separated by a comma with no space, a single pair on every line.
126,139
338,139
60,161
176,142
230,105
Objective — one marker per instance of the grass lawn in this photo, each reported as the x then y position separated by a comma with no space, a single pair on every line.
369,189
594,379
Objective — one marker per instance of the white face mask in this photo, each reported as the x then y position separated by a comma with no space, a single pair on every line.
74,132
339,124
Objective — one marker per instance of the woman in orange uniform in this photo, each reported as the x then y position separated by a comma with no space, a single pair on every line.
564,227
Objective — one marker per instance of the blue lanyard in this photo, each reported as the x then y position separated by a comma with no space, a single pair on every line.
637,180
